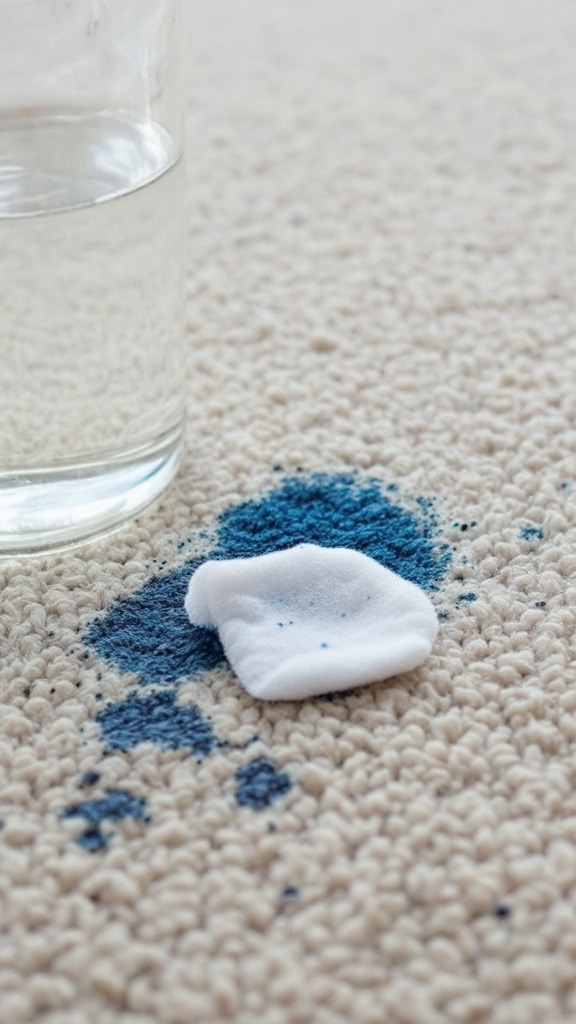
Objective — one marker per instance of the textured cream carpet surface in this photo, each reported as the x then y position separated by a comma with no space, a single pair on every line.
382,354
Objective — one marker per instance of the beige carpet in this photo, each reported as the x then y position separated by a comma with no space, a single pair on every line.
382,353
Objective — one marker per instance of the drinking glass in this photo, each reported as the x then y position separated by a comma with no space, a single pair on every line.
92,240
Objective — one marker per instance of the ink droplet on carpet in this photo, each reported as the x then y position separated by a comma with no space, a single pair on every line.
117,805
149,633
89,779
156,718
531,533
260,783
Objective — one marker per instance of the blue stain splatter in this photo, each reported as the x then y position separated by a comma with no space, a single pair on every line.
531,533
149,633
260,784
156,718
89,779
466,598
117,805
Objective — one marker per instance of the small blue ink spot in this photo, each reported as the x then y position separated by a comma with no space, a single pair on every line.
464,527
531,533
260,784
117,805
540,604
466,598
89,779
324,644
290,892
156,718
94,839
442,616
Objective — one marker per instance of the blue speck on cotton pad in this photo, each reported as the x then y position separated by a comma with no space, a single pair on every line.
149,633
260,783
156,718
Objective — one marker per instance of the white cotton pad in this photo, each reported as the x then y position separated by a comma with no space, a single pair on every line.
312,620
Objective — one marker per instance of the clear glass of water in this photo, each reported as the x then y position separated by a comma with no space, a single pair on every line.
92,240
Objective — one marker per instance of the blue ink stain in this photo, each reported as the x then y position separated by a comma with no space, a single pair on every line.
149,633
531,533
290,892
324,644
94,839
338,511
89,779
466,598
117,805
156,718
260,784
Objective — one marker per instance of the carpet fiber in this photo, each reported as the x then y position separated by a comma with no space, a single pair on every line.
381,355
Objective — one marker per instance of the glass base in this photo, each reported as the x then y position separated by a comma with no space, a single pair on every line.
45,509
